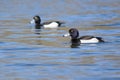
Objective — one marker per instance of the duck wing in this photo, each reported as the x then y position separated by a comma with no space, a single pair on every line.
86,37
46,23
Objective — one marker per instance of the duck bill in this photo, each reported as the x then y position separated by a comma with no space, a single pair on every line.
65,35
32,21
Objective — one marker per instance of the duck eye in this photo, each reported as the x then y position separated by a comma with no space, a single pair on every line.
35,17
72,31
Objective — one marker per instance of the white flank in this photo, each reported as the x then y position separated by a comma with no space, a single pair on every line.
51,25
93,40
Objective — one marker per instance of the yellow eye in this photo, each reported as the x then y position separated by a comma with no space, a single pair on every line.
72,31
35,17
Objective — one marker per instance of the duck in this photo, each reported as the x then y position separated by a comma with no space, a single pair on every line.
74,33
50,24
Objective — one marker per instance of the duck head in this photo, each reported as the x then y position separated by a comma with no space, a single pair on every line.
73,32
36,20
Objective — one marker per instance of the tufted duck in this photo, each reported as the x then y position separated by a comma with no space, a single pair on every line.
73,32
51,24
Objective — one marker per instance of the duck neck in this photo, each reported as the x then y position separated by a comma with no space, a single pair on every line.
37,26
37,22
75,40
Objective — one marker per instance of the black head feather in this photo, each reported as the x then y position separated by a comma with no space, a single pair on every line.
37,20
74,33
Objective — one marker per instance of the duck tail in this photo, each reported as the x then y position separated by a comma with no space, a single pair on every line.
60,22
100,39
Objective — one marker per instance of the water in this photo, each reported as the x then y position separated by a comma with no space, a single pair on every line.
25,55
